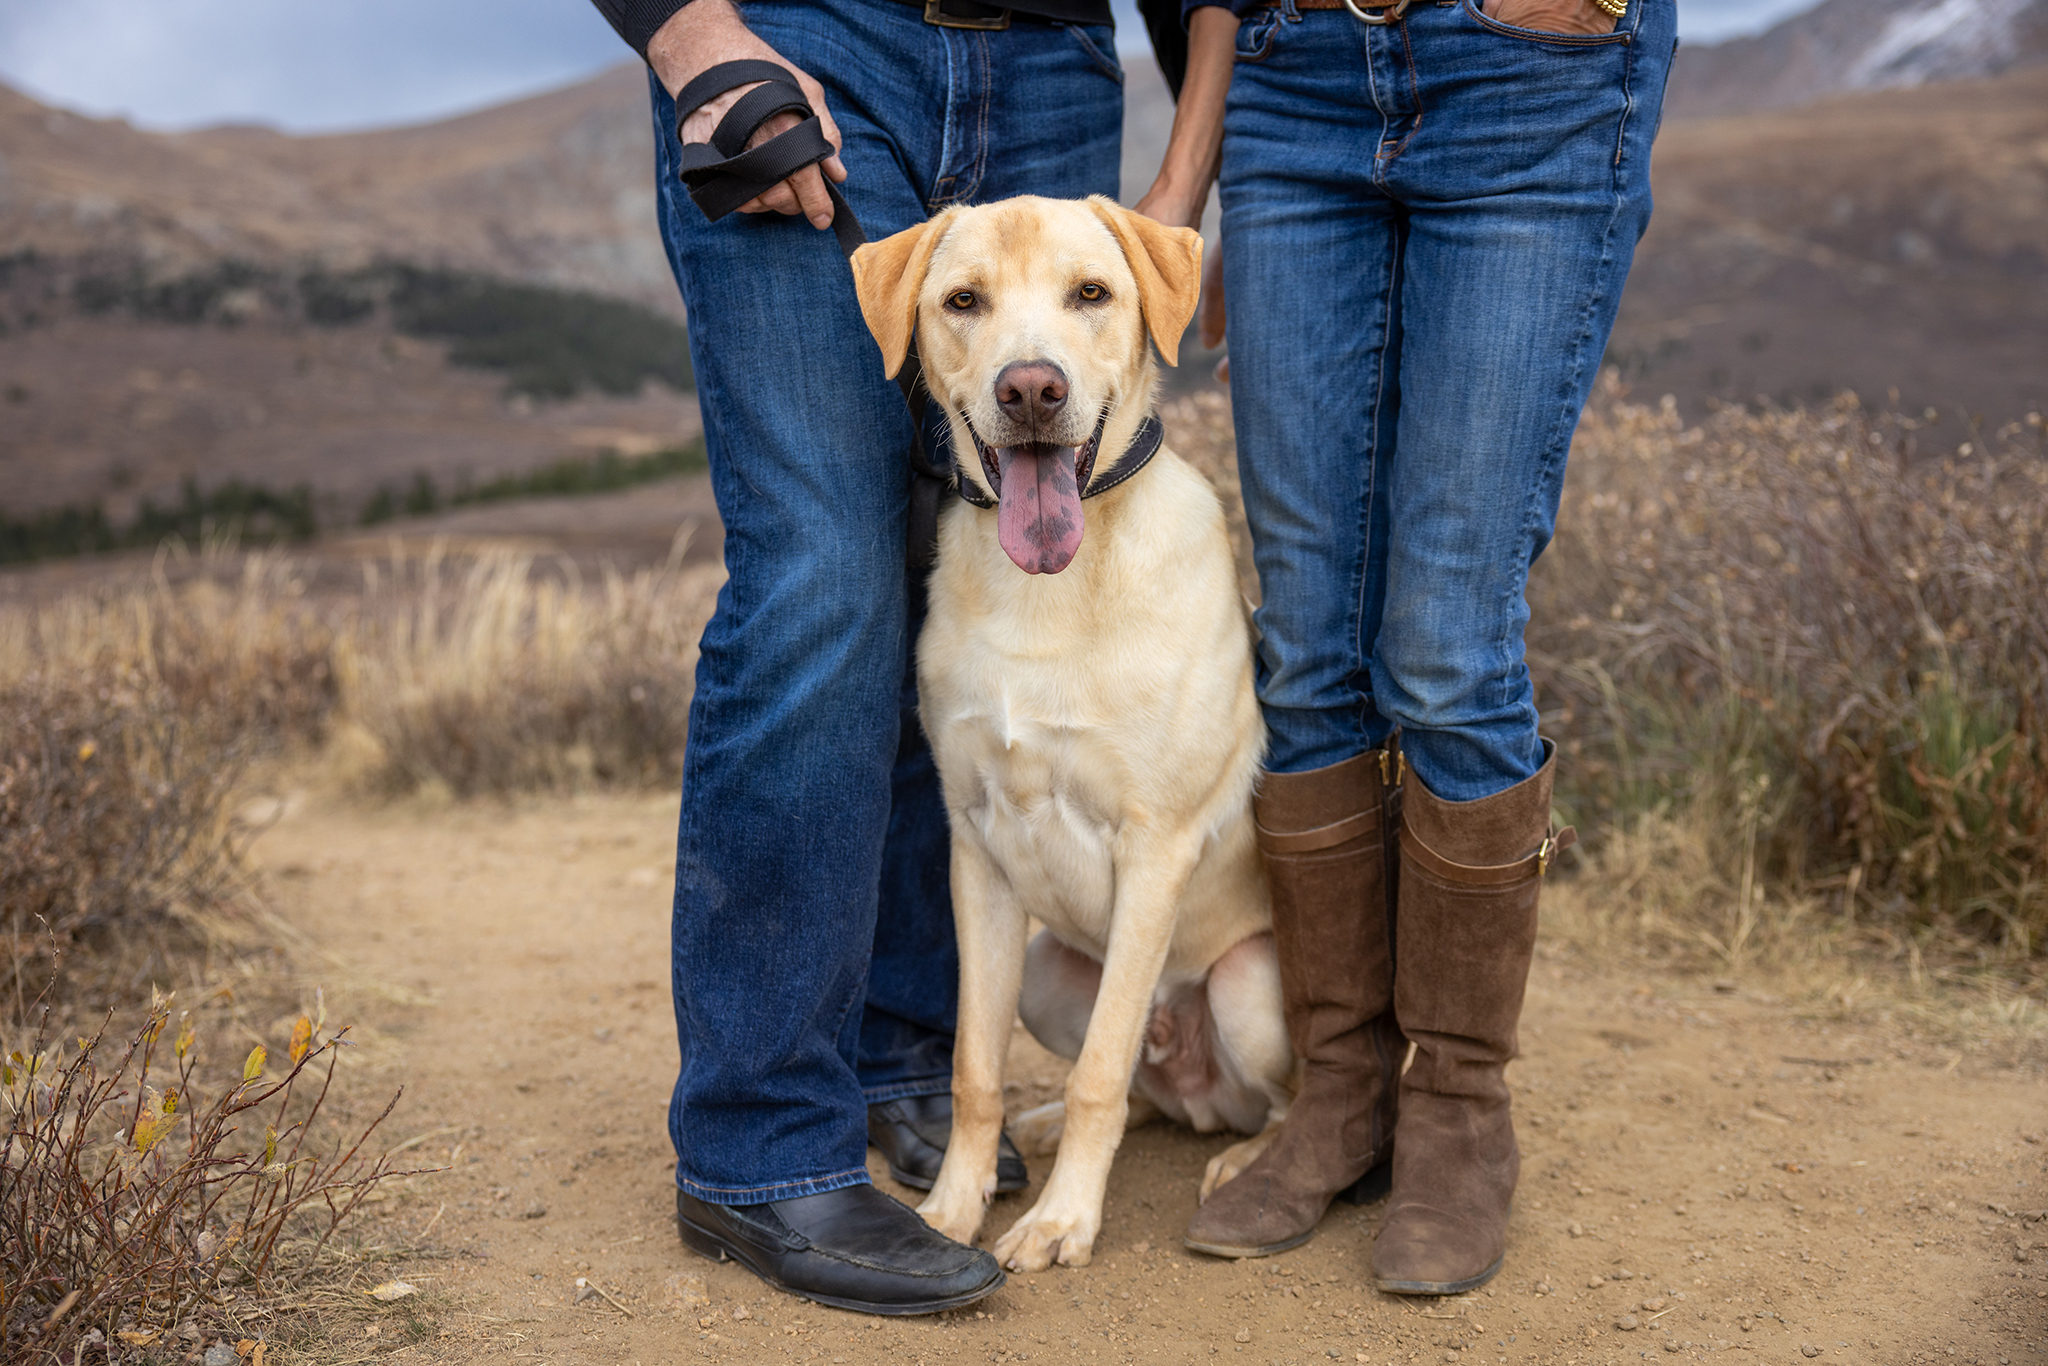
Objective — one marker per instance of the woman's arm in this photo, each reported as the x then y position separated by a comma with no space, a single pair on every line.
1181,191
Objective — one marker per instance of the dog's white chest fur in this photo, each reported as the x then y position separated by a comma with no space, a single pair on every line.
1074,714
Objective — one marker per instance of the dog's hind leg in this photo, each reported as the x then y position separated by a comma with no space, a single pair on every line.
1037,1132
1060,984
1255,1062
1151,874
990,926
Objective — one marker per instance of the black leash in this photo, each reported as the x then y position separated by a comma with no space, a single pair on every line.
723,174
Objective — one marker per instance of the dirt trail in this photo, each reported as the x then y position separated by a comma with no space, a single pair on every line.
1703,1173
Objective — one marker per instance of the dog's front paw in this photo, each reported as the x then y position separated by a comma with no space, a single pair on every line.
959,1220
1039,1239
1037,1131
1229,1164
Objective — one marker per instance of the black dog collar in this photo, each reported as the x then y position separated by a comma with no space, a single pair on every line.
1136,456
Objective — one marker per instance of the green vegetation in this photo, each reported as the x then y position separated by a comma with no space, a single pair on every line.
602,473
549,343
254,512
256,515
226,292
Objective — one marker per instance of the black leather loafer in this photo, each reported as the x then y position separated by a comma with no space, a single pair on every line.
855,1248
912,1133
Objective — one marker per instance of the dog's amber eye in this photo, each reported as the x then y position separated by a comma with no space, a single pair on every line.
1093,293
962,299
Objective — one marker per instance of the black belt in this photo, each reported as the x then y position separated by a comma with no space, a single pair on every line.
974,14
725,173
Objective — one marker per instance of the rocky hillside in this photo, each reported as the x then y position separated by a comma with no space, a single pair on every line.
1848,45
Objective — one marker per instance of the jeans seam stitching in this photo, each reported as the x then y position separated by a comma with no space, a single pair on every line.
1361,652
987,98
1415,92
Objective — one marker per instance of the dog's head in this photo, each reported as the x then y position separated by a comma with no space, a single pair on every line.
1030,317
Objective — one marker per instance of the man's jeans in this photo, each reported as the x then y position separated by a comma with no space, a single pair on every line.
1426,228
809,796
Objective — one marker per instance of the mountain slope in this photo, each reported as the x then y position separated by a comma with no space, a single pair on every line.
1891,241
556,189
1848,45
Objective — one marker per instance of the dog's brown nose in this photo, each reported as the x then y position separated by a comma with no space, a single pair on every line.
1031,392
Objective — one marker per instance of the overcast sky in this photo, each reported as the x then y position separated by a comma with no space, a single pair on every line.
364,63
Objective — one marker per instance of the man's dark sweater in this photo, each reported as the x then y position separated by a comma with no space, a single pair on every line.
638,20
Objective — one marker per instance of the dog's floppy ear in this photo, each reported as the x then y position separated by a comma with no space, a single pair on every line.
887,276
1168,264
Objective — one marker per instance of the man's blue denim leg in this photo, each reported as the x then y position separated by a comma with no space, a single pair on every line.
798,769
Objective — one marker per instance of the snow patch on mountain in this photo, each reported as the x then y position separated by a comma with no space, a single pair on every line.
1953,40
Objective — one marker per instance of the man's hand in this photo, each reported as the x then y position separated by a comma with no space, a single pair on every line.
701,35
1550,16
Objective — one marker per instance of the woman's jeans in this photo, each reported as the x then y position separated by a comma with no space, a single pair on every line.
814,962
1426,229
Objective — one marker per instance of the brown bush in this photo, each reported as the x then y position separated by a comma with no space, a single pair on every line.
114,809
127,720
1824,647
133,1192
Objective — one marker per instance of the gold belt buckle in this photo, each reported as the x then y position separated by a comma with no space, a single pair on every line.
1387,12
1000,21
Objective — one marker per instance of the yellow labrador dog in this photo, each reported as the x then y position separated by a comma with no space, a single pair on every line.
1085,674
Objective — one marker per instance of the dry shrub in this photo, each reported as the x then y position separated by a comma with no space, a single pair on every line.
497,676
129,718
1819,651
114,811
135,1193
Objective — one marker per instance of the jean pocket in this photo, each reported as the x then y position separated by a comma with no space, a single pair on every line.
1103,56
1621,33
1255,36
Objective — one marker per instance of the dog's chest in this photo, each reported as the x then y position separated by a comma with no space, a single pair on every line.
1044,795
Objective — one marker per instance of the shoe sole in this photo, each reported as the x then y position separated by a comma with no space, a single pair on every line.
1241,1254
924,1183
1393,1287
705,1243
1373,1186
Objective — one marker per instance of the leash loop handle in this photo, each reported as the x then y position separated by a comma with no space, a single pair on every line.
725,173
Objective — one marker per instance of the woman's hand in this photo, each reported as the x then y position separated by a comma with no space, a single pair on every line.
705,33
1177,206
1552,16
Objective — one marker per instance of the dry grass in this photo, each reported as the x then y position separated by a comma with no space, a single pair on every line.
498,676
133,1205
1814,658
131,720
132,717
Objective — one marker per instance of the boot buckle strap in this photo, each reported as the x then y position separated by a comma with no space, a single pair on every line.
1322,837
1493,875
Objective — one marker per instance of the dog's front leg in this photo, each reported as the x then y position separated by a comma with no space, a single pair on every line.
990,926
1151,874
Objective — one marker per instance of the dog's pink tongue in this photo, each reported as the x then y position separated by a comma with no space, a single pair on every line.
1038,517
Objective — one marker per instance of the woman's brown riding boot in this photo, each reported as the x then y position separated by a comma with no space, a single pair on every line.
1324,835
1466,917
